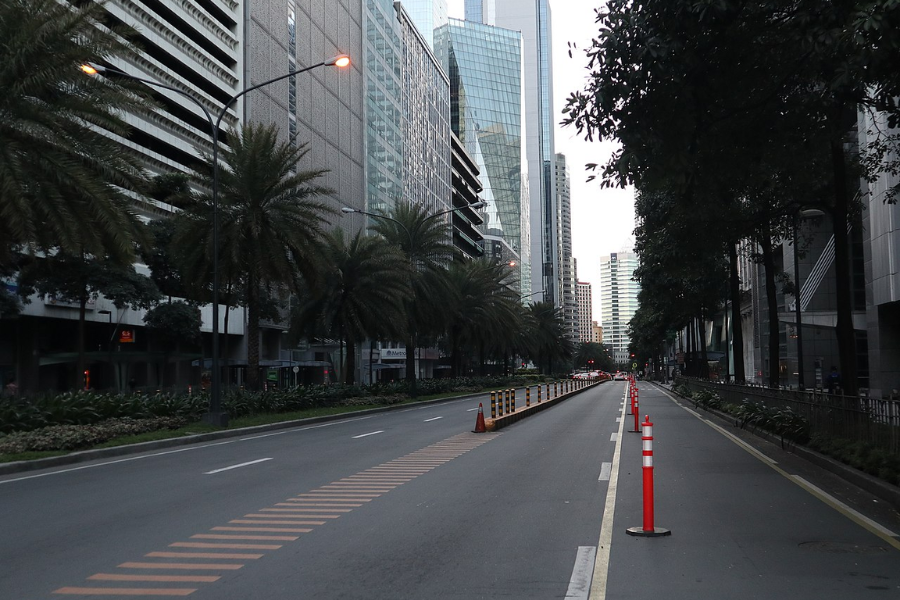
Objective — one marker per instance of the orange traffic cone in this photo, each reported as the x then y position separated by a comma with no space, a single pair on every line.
479,421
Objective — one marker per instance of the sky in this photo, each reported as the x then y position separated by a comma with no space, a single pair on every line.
602,219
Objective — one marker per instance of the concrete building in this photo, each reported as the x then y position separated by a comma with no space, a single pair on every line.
597,337
585,311
533,20
566,277
484,65
618,301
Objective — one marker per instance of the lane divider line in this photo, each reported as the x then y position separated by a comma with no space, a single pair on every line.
863,521
432,419
600,575
246,464
356,437
605,470
580,582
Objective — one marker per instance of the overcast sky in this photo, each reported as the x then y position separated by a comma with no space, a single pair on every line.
602,219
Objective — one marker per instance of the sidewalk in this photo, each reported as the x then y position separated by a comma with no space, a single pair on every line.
741,528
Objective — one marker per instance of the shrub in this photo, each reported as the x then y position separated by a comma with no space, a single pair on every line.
75,437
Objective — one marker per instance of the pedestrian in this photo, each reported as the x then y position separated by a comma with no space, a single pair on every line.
834,380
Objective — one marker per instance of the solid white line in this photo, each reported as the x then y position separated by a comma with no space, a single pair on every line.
823,495
307,428
246,464
356,437
114,462
471,409
605,470
613,437
432,419
601,564
580,583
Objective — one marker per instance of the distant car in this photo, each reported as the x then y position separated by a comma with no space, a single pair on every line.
620,376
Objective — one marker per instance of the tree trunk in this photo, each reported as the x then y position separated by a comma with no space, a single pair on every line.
371,357
82,364
846,336
252,334
772,305
350,374
411,364
704,357
224,359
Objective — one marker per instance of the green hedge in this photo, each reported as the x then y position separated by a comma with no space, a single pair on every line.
76,437
87,408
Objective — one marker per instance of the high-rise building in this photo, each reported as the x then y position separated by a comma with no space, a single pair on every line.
566,275
485,68
618,301
533,20
428,15
585,311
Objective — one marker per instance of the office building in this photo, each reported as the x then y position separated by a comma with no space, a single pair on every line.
618,301
533,20
466,235
585,311
428,15
484,65
566,277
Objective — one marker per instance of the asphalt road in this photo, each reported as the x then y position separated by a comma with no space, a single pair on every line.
411,505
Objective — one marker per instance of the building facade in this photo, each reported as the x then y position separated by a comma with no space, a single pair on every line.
618,301
484,65
566,277
585,313
533,20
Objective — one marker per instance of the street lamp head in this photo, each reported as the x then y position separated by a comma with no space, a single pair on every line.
91,69
479,204
341,60
347,210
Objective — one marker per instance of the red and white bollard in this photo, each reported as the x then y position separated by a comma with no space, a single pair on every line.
648,529
635,410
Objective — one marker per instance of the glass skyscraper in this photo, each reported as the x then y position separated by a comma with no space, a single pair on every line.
407,106
532,18
428,15
484,64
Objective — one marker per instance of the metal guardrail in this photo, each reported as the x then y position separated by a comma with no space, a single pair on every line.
872,420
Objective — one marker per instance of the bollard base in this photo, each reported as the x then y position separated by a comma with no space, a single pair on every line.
655,532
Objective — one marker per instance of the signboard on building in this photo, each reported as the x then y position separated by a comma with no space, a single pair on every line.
126,336
393,353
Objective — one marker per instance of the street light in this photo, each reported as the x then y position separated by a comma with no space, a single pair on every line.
215,416
812,212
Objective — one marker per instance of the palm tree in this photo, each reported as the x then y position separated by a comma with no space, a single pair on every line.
546,340
270,224
481,310
359,294
61,175
426,243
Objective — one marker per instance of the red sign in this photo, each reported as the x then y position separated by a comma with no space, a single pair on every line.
126,336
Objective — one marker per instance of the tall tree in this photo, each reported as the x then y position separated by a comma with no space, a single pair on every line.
358,295
425,241
61,175
270,224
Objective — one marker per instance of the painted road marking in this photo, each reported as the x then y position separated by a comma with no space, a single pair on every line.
580,583
313,508
472,409
356,437
299,429
600,575
605,470
166,578
432,419
829,499
115,462
125,591
613,437
246,464
181,566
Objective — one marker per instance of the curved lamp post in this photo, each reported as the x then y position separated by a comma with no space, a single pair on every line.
215,416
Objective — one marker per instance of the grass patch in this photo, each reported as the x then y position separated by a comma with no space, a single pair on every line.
8,458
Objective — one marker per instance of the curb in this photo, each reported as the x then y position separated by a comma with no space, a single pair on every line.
877,487
81,456
526,411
